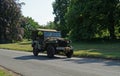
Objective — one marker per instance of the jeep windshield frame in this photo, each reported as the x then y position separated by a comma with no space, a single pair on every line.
52,34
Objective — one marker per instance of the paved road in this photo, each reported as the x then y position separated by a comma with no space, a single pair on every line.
28,65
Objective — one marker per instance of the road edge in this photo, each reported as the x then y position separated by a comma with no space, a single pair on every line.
11,72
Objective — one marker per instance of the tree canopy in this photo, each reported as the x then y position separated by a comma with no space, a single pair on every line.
87,19
28,24
10,14
60,9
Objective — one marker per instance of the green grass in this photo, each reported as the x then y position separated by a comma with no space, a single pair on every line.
4,73
109,50
21,46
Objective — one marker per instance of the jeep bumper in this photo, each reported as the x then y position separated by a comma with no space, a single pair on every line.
65,49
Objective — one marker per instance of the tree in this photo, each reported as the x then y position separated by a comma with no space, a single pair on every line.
28,24
10,14
88,18
78,20
111,11
60,9
50,25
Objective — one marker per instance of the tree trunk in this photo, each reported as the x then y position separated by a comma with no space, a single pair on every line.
111,25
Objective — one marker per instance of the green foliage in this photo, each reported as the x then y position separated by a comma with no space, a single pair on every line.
28,24
50,25
10,14
60,9
78,20
86,19
40,33
81,19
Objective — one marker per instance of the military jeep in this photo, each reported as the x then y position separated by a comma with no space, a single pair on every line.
51,42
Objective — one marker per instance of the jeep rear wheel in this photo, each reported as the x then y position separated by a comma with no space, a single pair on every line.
35,51
69,54
50,51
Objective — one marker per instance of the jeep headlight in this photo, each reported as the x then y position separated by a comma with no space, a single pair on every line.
69,41
56,41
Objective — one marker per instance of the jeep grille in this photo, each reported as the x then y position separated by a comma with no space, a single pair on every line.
62,43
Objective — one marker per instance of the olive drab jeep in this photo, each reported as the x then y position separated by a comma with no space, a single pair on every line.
51,42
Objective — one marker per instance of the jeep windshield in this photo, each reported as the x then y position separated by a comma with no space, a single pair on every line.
52,34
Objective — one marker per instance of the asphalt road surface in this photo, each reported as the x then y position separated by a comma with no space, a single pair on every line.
28,65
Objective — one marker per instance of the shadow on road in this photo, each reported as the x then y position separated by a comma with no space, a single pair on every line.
40,57
73,60
95,60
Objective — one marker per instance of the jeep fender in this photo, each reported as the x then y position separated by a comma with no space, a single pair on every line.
35,44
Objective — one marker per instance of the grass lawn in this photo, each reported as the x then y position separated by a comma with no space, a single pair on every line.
21,46
4,73
109,50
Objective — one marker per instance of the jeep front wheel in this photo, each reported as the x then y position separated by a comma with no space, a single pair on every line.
50,51
69,54
35,52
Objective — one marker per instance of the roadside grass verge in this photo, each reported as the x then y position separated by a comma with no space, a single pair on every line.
108,50
4,72
21,46
7,72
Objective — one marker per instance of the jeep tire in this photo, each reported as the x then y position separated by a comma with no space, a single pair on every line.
50,51
35,51
69,54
